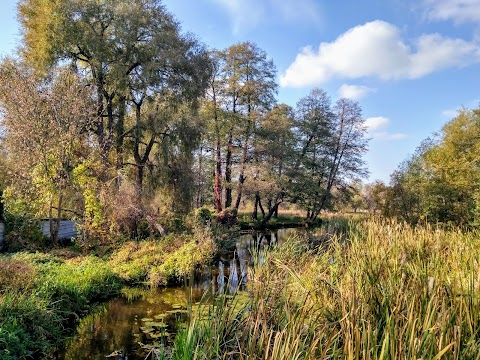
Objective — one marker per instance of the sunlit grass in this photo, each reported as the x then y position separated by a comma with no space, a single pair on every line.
387,291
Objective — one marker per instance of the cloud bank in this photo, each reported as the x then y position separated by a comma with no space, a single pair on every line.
459,11
376,49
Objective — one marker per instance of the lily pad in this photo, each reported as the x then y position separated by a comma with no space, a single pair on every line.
157,324
147,329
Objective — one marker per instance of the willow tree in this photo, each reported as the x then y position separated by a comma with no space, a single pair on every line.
140,66
127,49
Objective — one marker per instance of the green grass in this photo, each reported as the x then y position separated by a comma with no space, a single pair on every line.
41,295
387,291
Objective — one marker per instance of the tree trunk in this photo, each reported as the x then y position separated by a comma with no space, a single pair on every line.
1,205
241,176
257,195
120,130
255,210
258,205
55,222
228,171
218,177
267,217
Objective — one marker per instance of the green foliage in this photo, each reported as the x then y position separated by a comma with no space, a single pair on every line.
23,232
204,215
28,326
441,183
182,262
41,294
164,261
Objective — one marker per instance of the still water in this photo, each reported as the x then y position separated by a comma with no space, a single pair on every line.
128,326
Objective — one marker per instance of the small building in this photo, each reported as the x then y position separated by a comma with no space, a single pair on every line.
68,229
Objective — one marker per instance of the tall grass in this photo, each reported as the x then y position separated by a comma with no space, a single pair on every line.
387,291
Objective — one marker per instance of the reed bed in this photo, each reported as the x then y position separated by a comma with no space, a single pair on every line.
384,291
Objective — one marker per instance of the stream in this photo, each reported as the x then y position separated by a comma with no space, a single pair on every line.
128,326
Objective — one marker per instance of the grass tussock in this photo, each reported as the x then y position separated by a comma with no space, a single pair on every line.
164,261
387,291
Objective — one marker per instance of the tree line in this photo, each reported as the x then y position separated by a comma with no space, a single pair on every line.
112,116
439,183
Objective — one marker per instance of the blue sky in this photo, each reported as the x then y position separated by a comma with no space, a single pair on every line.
410,63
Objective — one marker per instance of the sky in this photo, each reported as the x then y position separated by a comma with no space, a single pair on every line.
411,64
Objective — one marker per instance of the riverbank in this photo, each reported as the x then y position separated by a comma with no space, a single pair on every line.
43,294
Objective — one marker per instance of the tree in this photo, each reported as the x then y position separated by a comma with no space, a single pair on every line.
331,145
249,90
441,182
273,160
128,51
45,124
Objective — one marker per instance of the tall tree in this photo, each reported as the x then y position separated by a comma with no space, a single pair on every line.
331,144
274,155
250,88
127,49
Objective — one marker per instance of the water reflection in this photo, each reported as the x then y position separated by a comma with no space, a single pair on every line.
127,325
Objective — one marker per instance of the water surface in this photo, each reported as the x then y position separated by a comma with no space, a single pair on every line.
128,326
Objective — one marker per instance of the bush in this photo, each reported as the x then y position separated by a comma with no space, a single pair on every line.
204,215
23,232
227,216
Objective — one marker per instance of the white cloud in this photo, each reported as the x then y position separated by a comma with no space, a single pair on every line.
376,49
354,92
374,124
247,14
459,11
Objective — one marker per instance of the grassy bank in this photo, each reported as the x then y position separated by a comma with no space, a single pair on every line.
387,292
42,294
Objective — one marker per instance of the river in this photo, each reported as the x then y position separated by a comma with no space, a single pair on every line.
129,325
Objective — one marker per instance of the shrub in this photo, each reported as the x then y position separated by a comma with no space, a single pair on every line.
23,232
204,215
227,216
